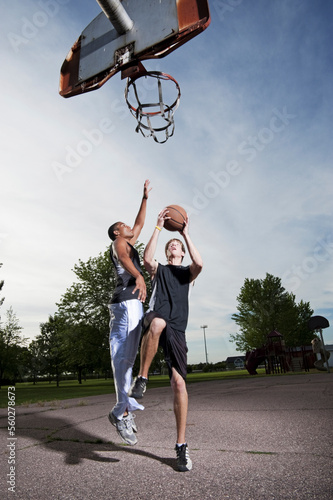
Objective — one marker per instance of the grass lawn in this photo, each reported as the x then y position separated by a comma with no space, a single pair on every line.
28,393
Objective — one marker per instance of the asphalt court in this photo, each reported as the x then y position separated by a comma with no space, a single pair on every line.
264,438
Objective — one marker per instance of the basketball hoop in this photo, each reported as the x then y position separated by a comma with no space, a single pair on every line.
156,113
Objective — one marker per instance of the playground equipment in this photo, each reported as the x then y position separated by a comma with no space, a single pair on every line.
277,358
323,355
318,323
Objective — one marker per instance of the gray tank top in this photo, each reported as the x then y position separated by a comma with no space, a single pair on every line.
125,281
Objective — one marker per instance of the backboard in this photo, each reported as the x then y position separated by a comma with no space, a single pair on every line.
125,33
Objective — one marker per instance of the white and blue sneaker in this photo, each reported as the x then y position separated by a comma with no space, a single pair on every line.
134,427
124,428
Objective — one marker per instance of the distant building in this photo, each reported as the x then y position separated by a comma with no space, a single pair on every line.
235,362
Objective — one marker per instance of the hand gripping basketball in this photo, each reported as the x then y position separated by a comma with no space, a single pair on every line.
177,217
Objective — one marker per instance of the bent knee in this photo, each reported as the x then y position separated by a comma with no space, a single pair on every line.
178,384
157,326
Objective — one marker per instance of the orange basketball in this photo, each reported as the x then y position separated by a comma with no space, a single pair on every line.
178,216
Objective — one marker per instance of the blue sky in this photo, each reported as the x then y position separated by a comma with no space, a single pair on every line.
251,159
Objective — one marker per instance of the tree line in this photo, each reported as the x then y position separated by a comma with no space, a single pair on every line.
75,339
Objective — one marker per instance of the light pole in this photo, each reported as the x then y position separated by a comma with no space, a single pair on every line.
204,330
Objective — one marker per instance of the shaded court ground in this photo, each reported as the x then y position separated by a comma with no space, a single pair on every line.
258,438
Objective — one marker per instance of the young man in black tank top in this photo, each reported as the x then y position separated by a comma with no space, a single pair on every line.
165,323
126,312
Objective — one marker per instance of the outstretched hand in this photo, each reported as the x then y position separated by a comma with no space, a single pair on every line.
146,189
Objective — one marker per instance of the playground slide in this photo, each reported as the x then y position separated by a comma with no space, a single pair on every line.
320,364
253,359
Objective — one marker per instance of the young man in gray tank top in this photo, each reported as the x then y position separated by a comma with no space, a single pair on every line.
126,312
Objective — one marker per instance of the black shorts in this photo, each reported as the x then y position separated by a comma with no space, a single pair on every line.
173,343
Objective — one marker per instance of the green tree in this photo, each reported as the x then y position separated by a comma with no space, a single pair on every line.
1,285
264,306
85,313
50,348
11,341
21,369
84,348
86,301
35,361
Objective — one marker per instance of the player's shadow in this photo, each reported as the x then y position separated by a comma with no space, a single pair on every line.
64,436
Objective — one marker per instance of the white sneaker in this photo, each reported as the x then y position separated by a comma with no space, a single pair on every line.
134,427
124,428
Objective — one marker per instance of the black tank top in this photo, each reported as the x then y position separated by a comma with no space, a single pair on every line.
170,295
125,281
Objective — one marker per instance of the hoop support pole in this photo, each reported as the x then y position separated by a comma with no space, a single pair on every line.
117,15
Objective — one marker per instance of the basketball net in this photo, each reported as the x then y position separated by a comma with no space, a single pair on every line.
155,119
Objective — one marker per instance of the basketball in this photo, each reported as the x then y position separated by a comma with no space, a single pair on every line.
178,216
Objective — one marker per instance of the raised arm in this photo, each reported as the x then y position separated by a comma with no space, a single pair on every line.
148,256
197,264
141,216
